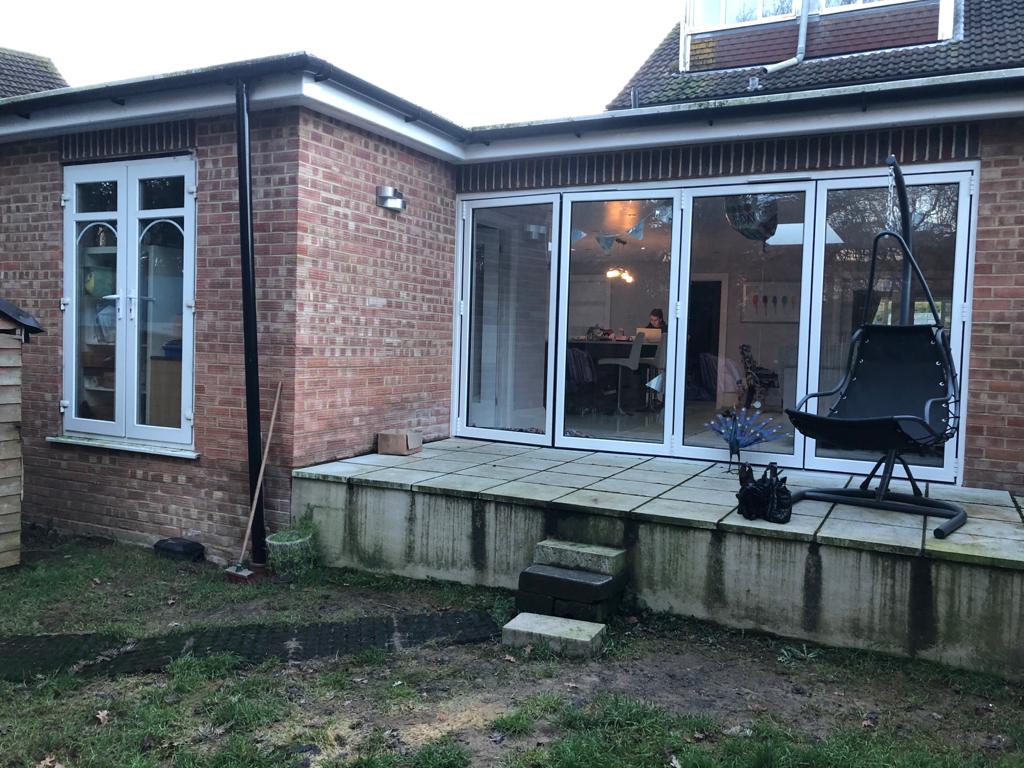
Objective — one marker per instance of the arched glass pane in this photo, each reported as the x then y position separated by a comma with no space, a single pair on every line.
96,320
159,305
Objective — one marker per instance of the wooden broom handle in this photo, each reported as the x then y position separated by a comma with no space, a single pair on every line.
259,478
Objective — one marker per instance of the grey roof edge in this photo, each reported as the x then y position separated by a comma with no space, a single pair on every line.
997,80
222,73
20,316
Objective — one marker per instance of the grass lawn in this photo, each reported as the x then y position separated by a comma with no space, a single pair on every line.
667,692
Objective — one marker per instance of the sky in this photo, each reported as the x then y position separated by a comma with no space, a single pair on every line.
477,63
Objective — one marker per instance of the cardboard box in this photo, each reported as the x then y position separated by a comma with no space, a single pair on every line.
399,442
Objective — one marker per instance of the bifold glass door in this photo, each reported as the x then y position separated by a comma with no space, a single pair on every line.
852,212
616,364
746,285
129,299
682,311
507,319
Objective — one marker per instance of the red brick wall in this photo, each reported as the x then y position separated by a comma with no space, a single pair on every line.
995,426
828,34
136,496
375,288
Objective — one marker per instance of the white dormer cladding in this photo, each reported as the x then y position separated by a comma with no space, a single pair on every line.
701,16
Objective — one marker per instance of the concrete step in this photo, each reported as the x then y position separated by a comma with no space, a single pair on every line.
582,557
570,584
568,636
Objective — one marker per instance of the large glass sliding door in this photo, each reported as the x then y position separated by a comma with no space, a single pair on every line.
746,286
616,360
507,319
677,309
852,213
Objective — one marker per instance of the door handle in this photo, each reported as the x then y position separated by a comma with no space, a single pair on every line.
115,298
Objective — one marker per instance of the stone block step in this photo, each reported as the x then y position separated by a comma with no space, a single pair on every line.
569,584
582,557
568,636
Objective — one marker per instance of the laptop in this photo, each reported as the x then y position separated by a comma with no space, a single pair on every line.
651,335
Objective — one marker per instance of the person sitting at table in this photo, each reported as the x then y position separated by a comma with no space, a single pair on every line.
657,321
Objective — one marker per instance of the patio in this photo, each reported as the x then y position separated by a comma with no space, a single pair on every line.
472,511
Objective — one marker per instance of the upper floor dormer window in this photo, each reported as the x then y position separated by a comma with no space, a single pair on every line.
719,14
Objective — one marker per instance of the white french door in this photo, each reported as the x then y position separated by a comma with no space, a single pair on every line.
129,297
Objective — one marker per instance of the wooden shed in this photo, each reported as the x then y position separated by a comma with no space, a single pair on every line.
16,328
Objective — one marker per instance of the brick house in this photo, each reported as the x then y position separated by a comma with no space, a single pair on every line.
737,201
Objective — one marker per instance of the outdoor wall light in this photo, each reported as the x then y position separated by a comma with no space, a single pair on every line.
390,199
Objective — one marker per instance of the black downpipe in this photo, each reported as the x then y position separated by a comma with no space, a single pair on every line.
906,309
249,333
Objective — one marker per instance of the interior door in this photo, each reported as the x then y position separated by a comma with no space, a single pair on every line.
850,212
745,281
506,319
617,321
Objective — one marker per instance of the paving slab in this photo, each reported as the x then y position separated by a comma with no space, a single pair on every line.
875,516
717,483
970,548
569,636
637,487
555,477
456,444
677,512
395,477
498,473
662,477
806,479
855,534
703,495
972,495
596,471
335,470
520,490
504,449
467,485
612,459
990,512
682,467
527,462
560,454
600,501
444,465
584,557
996,529
812,508
382,460
799,527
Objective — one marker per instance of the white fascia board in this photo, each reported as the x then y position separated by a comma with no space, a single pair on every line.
329,99
205,101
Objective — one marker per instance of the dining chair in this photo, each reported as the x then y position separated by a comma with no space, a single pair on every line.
630,363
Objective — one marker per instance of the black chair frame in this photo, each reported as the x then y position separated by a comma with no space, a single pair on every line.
893,433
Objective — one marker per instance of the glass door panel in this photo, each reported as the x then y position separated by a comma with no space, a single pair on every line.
745,290
507,332
158,314
97,316
617,270
853,215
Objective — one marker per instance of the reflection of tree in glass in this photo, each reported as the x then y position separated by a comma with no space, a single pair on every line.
777,7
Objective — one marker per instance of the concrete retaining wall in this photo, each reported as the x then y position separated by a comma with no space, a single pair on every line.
962,614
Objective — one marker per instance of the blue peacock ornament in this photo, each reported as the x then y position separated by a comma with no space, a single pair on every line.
740,429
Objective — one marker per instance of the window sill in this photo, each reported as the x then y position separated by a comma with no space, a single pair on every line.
120,445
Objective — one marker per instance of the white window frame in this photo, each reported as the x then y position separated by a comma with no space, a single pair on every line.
693,28
125,429
859,5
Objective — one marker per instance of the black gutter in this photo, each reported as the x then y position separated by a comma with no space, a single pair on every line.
249,331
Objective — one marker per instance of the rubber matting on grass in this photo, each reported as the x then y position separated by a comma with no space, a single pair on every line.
27,655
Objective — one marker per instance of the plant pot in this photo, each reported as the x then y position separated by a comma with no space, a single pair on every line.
291,555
